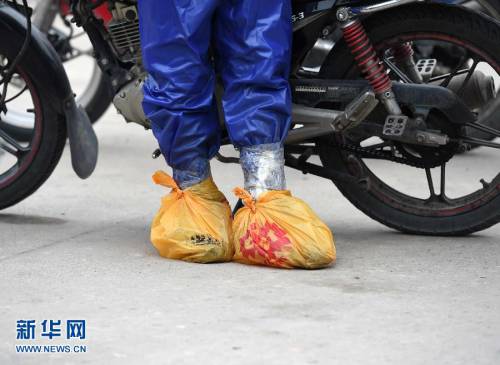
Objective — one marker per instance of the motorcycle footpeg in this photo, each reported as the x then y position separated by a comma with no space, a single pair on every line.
356,111
395,125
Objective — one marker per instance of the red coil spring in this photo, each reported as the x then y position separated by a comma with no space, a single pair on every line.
402,51
366,57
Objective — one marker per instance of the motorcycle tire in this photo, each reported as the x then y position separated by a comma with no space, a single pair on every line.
49,133
450,22
95,100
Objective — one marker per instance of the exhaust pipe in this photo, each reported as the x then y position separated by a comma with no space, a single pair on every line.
312,123
306,115
318,122
479,91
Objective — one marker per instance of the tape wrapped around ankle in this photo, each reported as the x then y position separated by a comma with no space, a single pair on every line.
263,168
196,172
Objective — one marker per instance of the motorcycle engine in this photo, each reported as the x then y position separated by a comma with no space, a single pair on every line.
123,29
124,32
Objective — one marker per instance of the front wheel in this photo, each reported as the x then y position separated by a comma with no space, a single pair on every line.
93,89
401,189
25,163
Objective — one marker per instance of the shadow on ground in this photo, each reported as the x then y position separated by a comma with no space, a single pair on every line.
26,219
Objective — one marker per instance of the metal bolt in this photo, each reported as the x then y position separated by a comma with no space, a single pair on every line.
342,14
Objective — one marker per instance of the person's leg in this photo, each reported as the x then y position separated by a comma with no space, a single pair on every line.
253,41
178,94
194,221
254,48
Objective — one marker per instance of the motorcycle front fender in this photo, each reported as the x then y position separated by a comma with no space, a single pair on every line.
41,62
40,58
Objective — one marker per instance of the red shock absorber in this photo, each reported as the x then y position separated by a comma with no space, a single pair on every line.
403,55
402,51
366,57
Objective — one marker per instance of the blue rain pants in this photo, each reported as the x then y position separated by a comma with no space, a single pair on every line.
251,41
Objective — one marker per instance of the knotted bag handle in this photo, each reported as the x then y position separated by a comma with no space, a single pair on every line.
246,197
164,179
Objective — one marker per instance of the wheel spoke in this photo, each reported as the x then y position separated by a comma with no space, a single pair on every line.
5,147
430,182
444,76
467,78
10,145
3,106
17,95
452,74
443,181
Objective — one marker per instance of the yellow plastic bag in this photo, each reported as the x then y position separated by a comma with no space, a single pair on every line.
281,231
192,224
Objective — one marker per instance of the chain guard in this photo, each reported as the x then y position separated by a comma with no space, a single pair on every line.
380,155
406,158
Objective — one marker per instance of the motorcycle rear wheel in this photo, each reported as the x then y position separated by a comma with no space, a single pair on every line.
381,202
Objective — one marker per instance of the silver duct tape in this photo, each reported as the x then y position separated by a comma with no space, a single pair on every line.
263,168
196,172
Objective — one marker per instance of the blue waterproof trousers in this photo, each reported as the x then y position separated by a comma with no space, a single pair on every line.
252,47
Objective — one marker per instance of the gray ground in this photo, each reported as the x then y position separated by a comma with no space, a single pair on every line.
80,250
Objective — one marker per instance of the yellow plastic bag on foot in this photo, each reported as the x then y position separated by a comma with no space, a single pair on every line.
282,231
192,224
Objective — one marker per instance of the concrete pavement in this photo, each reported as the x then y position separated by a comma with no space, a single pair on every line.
80,250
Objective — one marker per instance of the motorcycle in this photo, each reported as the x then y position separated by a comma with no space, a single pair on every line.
52,17
96,96
372,83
